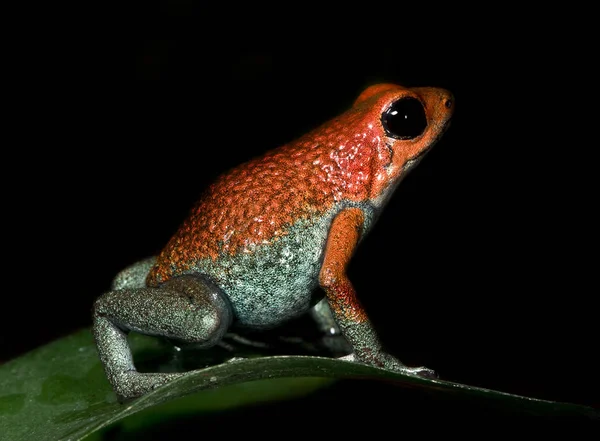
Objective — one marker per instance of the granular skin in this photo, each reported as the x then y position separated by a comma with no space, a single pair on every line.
256,203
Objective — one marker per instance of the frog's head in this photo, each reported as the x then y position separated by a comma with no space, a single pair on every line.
405,123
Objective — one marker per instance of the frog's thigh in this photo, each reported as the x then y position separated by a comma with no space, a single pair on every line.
187,309
134,276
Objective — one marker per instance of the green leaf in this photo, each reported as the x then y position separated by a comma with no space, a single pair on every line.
60,392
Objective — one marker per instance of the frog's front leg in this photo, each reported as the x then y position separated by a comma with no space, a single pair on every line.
351,317
185,310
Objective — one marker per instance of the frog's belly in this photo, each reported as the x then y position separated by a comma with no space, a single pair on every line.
272,282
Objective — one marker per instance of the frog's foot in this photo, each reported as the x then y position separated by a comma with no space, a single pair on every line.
421,371
132,384
386,361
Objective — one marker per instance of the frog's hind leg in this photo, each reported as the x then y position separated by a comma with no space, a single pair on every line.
332,337
323,317
134,276
186,310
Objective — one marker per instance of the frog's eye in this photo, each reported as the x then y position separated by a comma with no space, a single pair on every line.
404,119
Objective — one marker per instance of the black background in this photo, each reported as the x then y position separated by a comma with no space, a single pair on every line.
124,114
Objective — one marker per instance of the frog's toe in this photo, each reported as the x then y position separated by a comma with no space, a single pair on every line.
422,371
132,384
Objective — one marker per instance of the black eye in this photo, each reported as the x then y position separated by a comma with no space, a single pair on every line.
405,119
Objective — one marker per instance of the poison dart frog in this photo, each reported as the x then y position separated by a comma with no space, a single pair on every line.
266,234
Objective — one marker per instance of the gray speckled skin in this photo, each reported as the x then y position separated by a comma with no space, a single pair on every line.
133,276
188,310
277,281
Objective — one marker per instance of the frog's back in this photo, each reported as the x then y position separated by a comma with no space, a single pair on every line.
255,205
259,231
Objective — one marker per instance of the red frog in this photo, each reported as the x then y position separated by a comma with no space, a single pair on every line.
267,233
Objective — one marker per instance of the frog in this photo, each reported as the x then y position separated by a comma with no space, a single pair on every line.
271,239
